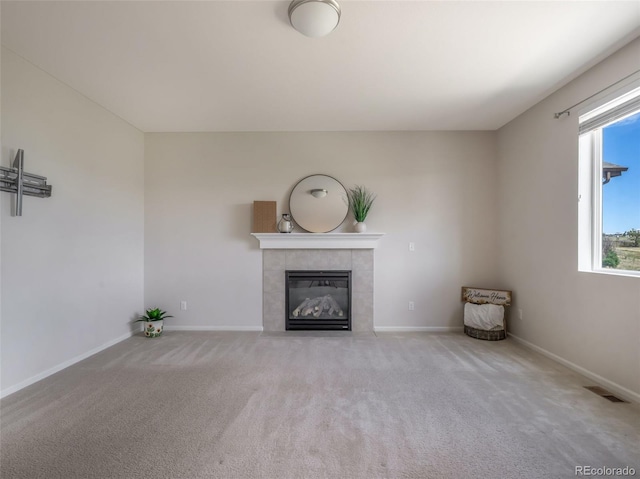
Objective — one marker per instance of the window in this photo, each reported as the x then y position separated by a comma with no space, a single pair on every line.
609,186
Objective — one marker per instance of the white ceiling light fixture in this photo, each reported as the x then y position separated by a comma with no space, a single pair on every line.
319,192
314,18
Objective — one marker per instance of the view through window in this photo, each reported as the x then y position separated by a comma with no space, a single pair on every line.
621,194
609,185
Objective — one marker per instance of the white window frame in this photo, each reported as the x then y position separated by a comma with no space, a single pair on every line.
590,182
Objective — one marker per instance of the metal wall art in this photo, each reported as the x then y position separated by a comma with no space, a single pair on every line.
16,180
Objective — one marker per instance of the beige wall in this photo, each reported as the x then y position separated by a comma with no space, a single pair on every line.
436,189
72,265
591,321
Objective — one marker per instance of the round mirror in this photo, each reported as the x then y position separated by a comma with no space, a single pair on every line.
318,203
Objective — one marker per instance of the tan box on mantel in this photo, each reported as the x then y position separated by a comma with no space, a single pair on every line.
264,217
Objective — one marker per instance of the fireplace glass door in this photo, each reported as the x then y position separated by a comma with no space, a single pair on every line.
318,300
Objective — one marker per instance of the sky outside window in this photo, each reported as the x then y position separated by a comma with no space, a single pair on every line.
621,196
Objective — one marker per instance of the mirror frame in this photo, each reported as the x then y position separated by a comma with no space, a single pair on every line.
305,225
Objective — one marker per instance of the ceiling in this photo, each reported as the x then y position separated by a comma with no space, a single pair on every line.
390,65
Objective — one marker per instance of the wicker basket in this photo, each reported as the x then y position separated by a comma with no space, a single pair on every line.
492,335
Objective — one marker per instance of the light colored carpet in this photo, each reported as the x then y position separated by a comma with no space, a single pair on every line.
314,405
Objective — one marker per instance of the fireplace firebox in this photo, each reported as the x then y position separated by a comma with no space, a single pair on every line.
318,300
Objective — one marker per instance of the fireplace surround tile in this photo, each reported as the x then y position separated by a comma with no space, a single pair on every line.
275,262
362,281
362,260
273,259
318,259
274,311
272,281
362,309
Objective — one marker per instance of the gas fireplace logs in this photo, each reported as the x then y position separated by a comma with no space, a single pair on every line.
315,307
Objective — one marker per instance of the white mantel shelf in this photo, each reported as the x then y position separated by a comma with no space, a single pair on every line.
318,240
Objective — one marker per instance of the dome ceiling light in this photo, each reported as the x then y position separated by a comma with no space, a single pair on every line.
319,192
314,18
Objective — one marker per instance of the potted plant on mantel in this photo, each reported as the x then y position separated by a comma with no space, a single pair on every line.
154,322
360,201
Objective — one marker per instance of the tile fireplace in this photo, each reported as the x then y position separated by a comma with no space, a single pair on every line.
326,252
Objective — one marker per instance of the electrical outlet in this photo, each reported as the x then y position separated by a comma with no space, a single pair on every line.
520,313
183,305
412,246
412,306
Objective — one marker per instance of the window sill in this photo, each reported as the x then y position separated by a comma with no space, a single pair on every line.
613,272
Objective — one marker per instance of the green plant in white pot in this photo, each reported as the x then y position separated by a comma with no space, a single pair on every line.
360,201
154,322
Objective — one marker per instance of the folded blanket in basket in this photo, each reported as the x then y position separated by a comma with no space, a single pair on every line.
484,316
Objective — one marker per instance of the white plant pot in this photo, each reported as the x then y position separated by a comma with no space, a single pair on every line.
153,329
360,227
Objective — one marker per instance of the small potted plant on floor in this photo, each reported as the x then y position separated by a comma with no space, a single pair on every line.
360,201
153,322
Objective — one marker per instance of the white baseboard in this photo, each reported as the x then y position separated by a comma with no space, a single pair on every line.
615,388
213,328
63,365
408,329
